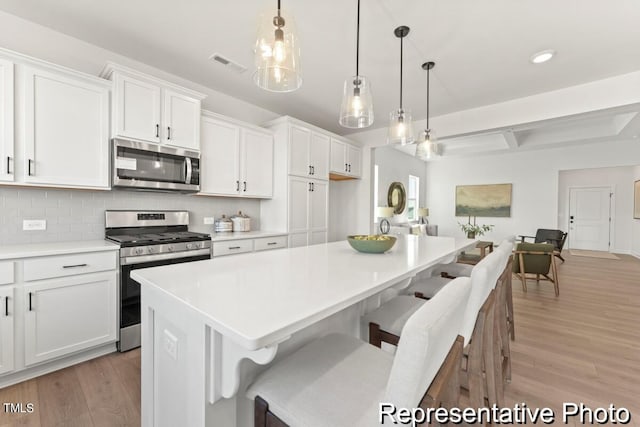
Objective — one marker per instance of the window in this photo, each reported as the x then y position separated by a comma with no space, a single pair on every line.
375,193
413,198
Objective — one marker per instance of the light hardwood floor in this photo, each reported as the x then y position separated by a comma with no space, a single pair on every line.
583,346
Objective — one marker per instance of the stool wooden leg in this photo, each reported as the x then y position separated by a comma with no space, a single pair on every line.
374,335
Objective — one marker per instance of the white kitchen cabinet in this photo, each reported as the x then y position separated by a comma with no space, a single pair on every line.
153,110
308,211
308,153
66,129
226,246
236,159
7,316
63,316
346,159
7,159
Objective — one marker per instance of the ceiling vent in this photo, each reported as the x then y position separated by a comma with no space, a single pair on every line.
232,65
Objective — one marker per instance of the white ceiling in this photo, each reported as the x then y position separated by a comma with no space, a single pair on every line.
481,48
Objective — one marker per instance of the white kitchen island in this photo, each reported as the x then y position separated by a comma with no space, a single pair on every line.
200,320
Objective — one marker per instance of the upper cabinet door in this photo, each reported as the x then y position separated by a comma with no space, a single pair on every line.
338,156
66,129
319,156
7,159
219,158
354,156
257,164
136,109
181,120
299,142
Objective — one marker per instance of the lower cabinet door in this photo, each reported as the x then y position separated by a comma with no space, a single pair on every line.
7,315
317,237
298,239
67,315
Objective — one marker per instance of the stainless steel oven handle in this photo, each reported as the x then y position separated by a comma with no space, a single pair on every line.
189,170
130,260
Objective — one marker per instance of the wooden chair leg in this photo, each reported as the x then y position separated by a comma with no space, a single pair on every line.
554,270
262,417
510,318
523,276
374,335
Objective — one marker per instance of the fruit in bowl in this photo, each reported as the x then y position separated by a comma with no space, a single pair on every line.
371,243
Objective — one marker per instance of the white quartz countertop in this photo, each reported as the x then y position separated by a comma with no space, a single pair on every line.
58,248
262,298
239,235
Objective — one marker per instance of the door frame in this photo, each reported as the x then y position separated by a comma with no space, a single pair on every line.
612,212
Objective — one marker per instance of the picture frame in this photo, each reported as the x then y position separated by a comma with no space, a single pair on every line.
486,200
636,200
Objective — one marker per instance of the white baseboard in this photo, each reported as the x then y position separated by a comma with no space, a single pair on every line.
635,254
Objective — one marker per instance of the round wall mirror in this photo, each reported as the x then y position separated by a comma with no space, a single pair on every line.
396,197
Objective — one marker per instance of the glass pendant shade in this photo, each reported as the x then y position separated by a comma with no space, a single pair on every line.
277,55
427,147
357,104
400,128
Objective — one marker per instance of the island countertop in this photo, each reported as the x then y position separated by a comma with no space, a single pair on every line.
262,298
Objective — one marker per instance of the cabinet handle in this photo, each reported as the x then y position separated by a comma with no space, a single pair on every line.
272,243
245,185
313,187
8,165
237,185
168,133
6,307
313,170
234,247
309,169
157,131
29,167
346,167
30,301
349,167
74,266
309,186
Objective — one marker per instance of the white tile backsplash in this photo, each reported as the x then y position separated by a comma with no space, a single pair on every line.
79,214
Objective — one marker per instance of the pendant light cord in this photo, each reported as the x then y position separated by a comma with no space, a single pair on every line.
401,44
357,42
428,71
278,8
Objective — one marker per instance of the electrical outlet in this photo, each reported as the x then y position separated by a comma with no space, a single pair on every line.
209,220
171,344
34,224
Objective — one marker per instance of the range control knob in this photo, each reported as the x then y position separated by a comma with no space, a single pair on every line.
151,249
170,248
191,246
139,251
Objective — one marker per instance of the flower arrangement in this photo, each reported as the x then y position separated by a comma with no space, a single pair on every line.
473,230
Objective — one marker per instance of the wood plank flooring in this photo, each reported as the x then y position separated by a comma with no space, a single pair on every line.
583,346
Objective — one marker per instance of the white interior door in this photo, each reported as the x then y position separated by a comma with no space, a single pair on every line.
590,218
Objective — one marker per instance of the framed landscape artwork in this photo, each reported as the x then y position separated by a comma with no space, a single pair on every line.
636,200
491,200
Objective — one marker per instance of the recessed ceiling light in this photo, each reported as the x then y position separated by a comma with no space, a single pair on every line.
544,56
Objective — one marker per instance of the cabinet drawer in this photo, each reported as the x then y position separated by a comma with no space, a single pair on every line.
68,265
265,243
6,273
231,247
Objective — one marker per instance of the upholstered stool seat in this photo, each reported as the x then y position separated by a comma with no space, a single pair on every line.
427,288
336,380
394,313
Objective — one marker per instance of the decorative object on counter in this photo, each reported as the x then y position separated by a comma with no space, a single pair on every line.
401,127
492,200
474,230
423,213
372,244
397,197
277,55
427,146
384,213
357,103
241,222
223,224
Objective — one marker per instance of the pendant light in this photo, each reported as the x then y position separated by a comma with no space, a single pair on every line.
427,146
277,55
401,128
357,104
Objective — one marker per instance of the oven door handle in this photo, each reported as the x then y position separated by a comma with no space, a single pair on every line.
189,170
130,260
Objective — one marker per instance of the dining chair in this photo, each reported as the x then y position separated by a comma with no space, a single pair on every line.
339,380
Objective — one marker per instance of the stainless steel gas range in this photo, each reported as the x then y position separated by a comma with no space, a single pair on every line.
148,239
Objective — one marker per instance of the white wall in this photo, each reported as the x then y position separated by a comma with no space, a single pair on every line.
620,179
635,248
49,45
394,165
534,175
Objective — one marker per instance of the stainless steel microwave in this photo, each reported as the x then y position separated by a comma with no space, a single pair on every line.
146,166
